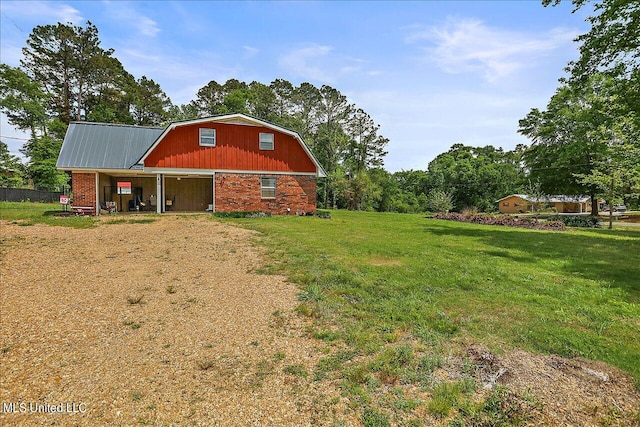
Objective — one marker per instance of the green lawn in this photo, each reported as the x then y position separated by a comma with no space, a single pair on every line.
370,280
29,213
392,295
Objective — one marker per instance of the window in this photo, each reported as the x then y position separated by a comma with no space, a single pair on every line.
505,203
266,141
268,188
208,137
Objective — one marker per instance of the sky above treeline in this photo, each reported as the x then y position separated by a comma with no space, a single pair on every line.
431,73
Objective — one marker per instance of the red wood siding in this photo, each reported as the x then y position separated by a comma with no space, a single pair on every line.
237,148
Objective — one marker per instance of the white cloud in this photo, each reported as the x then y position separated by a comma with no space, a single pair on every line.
321,63
305,62
129,17
468,45
250,50
10,53
147,26
51,12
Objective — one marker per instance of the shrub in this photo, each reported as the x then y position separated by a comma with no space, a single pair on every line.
439,201
587,221
470,210
323,214
242,214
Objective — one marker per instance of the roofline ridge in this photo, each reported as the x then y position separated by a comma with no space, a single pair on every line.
84,122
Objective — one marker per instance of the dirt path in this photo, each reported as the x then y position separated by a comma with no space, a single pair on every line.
207,344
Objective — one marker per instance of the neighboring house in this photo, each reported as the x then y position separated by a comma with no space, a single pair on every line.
521,203
224,163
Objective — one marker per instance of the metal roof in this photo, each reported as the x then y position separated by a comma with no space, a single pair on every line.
105,146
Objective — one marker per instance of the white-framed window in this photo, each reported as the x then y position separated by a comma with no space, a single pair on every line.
208,137
266,141
268,188
505,203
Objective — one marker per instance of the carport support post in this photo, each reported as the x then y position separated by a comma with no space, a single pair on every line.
159,198
213,210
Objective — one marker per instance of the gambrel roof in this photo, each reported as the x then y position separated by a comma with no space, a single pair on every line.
102,146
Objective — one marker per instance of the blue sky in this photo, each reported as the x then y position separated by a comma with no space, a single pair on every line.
431,73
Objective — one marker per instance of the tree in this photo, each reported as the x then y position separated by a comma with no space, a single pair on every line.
617,175
182,112
613,40
366,149
209,99
150,105
439,201
570,136
476,176
23,101
43,152
68,62
262,100
114,92
12,171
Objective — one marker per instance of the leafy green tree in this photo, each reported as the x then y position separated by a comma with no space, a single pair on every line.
262,101
182,112
366,149
150,106
209,99
69,64
23,101
113,94
617,174
613,39
12,171
439,201
42,152
570,137
476,176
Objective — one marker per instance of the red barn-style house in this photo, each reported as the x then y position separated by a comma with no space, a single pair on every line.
225,163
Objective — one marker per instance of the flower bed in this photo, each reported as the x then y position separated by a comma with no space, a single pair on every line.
505,220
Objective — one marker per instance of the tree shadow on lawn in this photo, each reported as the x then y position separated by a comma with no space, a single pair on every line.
598,256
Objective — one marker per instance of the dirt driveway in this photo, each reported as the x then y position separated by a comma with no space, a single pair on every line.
160,323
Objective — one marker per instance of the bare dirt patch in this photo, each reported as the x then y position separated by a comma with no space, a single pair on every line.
160,323
556,391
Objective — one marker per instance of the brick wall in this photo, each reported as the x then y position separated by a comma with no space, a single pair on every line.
83,186
242,192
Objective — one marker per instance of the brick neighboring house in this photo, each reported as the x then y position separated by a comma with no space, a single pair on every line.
522,203
224,163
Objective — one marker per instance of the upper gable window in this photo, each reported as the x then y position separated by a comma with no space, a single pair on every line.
208,137
266,141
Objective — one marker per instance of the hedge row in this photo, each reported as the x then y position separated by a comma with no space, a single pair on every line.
506,220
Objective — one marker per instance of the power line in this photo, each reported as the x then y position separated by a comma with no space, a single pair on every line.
14,137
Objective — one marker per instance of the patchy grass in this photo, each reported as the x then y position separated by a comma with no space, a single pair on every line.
133,300
573,293
29,213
